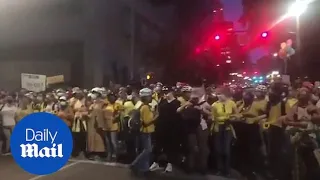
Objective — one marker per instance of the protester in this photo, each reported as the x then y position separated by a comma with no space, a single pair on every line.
170,127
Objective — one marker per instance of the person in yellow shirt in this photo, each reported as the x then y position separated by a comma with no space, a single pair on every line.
65,112
24,109
112,118
185,95
38,103
277,107
223,110
251,141
142,162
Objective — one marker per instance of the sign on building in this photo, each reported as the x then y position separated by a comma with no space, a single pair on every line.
55,79
33,82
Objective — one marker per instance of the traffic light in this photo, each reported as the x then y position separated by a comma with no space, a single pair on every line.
264,34
217,37
198,50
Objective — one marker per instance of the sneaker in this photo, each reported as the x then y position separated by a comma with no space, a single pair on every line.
155,166
168,168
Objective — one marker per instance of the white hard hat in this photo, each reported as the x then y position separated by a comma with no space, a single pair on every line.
62,98
145,92
262,88
186,89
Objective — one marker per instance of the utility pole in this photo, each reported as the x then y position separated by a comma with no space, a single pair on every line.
132,40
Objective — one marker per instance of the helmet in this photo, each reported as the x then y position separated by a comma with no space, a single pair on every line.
261,88
96,90
76,90
62,98
145,92
159,84
165,88
186,89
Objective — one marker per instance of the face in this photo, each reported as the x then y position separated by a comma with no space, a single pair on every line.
39,98
112,98
9,99
63,103
169,95
146,99
303,95
79,95
122,94
258,93
221,95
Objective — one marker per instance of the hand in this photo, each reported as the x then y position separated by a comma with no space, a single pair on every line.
198,107
188,104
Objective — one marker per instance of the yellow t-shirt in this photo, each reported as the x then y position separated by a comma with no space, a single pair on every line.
21,113
292,101
155,96
146,116
128,106
257,108
221,111
182,100
111,126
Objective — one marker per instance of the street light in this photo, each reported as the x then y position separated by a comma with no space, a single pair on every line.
296,10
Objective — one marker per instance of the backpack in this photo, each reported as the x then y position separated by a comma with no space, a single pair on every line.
134,122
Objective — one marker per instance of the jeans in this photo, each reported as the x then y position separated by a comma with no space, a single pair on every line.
142,161
222,140
112,144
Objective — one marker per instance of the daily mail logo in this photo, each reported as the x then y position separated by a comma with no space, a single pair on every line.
41,143
33,150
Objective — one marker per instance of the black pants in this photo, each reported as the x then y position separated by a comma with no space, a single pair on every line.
132,145
278,153
79,143
198,150
168,144
255,160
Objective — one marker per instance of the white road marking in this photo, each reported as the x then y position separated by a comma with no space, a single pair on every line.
63,168
113,164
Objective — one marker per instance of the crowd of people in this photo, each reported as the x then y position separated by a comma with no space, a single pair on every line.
266,130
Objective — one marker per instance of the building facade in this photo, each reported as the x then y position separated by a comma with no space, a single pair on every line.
90,42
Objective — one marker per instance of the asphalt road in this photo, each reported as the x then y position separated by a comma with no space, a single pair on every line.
87,170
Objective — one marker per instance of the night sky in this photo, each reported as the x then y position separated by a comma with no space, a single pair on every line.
232,12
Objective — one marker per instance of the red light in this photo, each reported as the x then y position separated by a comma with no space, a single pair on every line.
264,34
217,37
198,50
255,72
244,73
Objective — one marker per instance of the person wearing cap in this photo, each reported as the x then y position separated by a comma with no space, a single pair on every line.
24,108
222,112
185,95
96,145
168,128
112,119
141,163
38,103
276,108
49,103
65,112
79,126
